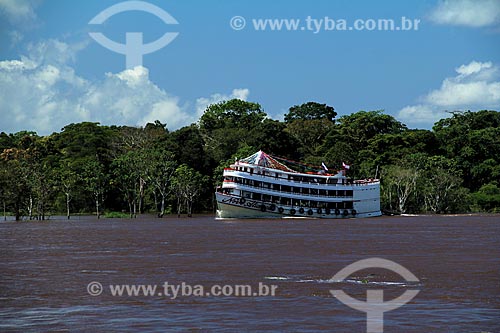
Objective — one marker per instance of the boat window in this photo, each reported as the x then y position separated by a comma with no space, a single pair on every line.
285,201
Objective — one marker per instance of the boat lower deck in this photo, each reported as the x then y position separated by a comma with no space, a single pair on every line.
234,207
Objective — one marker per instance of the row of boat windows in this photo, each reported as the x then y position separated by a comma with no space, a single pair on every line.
289,189
295,202
295,178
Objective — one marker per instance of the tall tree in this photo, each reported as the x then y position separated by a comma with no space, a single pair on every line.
127,177
96,180
67,180
399,184
311,111
160,169
187,185
471,139
14,174
227,125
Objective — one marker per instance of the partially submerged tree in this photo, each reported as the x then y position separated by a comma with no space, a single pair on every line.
399,184
160,169
95,179
187,185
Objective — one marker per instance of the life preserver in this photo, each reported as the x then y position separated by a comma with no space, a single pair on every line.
327,211
292,211
242,201
281,210
272,207
353,212
310,212
301,210
319,211
337,211
345,213
262,208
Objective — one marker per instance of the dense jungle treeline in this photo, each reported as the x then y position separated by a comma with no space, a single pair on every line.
453,168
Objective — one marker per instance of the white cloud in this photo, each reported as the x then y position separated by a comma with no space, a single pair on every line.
15,37
471,13
53,51
130,98
42,92
476,86
18,11
473,68
13,65
420,115
203,102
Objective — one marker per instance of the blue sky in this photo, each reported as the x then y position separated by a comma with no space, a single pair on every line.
53,73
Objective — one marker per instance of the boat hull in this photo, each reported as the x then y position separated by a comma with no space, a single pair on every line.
233,207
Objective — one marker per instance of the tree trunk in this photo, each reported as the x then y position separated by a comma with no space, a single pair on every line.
135,208
162,211
141,194
17,208
67,205
97,207
130,213
190,208
155,199
178,206
30,208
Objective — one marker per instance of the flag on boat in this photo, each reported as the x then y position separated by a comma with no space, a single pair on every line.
324,166
346,166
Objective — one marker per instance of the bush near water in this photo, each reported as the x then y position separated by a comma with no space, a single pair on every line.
89,168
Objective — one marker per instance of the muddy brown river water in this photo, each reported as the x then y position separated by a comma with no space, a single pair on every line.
51,273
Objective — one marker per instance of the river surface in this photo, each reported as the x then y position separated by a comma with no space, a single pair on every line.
46,268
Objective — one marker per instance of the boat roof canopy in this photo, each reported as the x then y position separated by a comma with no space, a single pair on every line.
264,160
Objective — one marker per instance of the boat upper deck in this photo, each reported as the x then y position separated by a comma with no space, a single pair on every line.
248,170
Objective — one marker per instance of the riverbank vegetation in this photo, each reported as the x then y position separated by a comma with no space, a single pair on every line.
87,167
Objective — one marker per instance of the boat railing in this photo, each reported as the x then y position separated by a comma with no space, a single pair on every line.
323,181
244,186
268,176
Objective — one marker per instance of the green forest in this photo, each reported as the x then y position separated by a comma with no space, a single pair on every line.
87,168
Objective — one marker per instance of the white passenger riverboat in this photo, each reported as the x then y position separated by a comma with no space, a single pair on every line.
260,186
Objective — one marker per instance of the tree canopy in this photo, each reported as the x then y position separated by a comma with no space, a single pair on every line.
88,167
